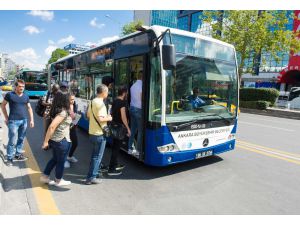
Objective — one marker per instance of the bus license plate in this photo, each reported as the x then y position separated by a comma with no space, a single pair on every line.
204,154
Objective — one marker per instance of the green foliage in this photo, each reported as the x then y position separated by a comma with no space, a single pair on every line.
57,54
131,27
262,105
249,31
259,94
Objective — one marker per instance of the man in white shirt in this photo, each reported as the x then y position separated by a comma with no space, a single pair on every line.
136,115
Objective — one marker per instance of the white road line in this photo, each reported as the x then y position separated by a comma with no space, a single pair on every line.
260,125
273,120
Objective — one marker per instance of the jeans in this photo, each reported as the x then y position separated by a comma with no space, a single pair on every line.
135,126
74,140
16,135
98,143
60,151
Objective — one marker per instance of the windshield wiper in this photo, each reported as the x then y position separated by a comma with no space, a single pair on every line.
188,123
222,117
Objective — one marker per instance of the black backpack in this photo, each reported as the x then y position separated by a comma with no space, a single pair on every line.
40,108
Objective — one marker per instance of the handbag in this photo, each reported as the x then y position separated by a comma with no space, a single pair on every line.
106,130
118,130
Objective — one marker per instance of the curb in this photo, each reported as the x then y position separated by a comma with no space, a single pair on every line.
282,113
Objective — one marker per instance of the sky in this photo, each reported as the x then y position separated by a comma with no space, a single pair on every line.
29,37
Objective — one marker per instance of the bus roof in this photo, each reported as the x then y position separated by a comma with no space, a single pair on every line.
157,30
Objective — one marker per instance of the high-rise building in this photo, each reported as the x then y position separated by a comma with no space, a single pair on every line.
167,18
7,65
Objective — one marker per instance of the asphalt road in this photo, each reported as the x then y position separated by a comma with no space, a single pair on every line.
261,176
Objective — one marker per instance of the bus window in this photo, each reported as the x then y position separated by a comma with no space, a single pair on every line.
85,86
155,91
121,75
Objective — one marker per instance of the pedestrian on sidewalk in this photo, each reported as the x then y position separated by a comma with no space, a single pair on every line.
17,121
73,133
120,117
58,139
98,117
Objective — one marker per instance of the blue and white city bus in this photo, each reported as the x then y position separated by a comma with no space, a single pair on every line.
35,82
179,68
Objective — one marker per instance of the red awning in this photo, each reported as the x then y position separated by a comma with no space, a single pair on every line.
289,75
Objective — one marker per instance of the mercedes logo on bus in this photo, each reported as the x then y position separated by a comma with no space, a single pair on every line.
205,142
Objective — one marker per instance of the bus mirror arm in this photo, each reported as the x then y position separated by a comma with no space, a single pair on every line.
168,51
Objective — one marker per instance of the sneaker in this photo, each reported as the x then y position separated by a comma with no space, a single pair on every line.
119,167
62,182
72,159
20,157
9,162
44,179
103,168
114,172
93,181
133,152
67,164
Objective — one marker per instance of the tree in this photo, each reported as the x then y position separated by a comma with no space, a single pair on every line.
253,32
131,27
57,54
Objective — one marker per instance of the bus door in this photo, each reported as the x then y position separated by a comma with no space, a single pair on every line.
126,72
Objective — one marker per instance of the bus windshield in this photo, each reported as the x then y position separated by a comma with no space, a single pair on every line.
204,84
34,77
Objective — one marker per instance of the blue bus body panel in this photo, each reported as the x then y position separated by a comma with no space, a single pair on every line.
162,136
83,122
36,93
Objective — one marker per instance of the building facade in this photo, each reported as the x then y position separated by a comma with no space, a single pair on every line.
75,48
7,65
167,18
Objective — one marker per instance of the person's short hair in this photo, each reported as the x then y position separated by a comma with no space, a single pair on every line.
195,89
19,81
101,88
140,74
63,84
122,90
107,80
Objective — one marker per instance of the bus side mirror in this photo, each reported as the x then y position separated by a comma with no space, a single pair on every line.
169,57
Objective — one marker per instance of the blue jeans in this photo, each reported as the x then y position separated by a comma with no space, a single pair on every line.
135,126
16,135
60,151
98,143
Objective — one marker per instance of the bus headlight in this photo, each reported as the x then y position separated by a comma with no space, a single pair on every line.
231,137
168,148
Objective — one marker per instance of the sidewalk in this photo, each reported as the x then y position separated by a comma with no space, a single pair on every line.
13,192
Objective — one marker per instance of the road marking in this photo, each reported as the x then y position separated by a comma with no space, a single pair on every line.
44,198
246,117
270,152
268,149
257,124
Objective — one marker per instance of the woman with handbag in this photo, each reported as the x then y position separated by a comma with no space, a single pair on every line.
119,128
58,138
